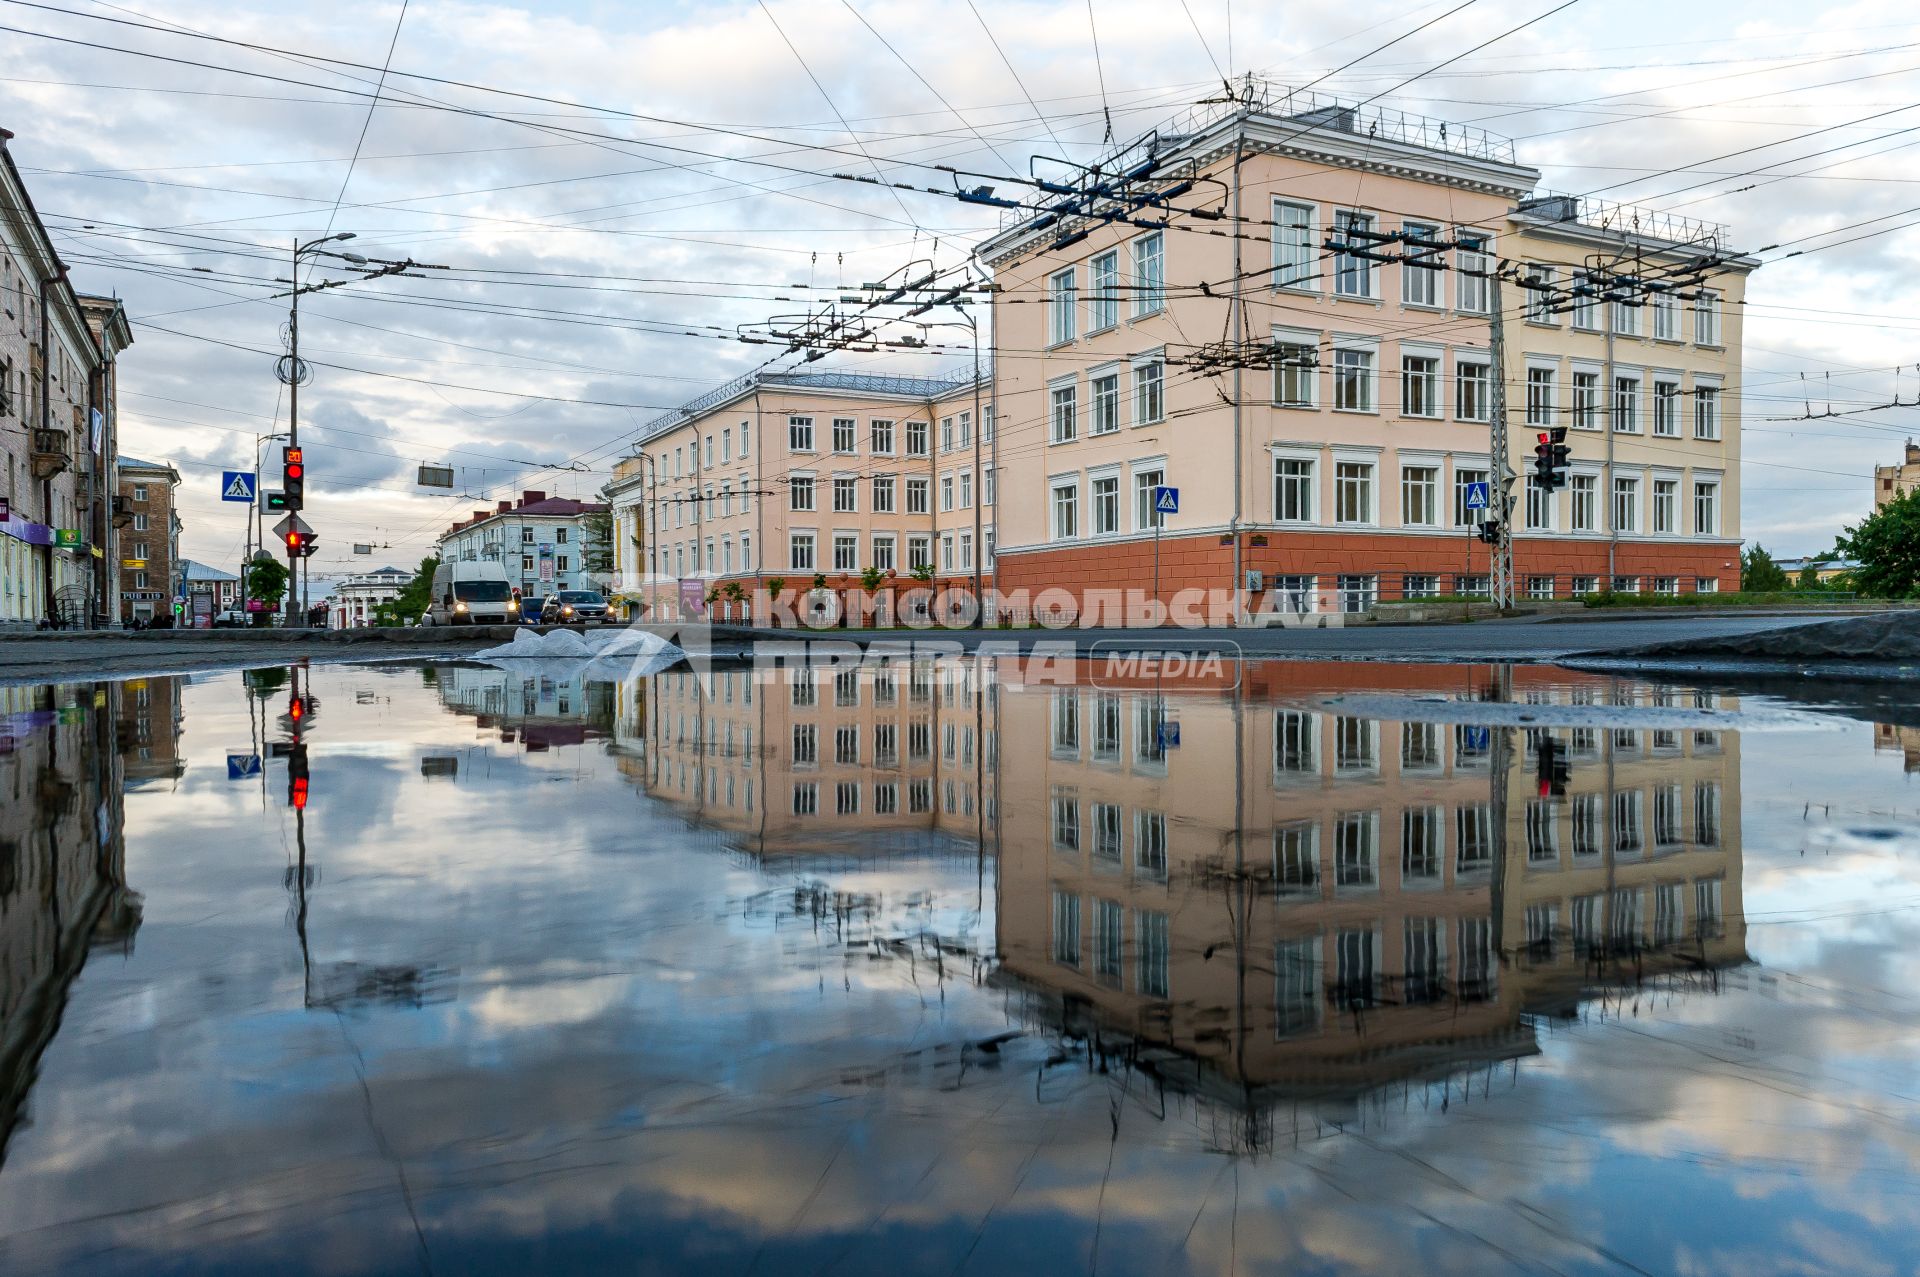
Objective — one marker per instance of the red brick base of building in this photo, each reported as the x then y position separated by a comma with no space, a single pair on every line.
1380,563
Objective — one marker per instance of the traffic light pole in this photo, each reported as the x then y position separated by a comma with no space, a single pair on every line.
1501,472
293,422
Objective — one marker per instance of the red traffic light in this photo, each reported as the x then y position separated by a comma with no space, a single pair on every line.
299,794
296,709
293,542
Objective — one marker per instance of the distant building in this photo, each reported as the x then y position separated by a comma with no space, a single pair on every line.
356,599
150,542
1890,482
545,543
208,591
1823,569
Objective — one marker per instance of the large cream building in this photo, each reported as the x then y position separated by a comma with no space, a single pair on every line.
1345,464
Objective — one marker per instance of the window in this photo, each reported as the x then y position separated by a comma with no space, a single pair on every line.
1066,929
1066,510
916,438
843,431
1065,412
1581,586
919,551
1539,505
1061,299
1149,404
1356,850
709,450
1463,479
801,556
1353,380
1144,515
946,434
1666,317
1149,275
1539,289
1106,504
1292,490
1103,311
881,438
1472,288
1586,401
1352,273
1626,318
1150,844
1583,489
986,486
1294,364
1358,593
139,523
1473,399
1626,503
1706,411
1706,318
918,493
1353,492
846,552
1297,988
746,439
1296,858
1420,585
1473,839
986,425
726,444
1666,505
883,556
799,438
1296,743
1540,397
139,489
966,489
1296,251
946,492
1151,933
1626,405
1666,408
846,496
1105,416
1539,587
883,485
1419,271
1586,307
1706,509
1419,386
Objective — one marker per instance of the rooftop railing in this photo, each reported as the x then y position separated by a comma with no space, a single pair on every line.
1627,219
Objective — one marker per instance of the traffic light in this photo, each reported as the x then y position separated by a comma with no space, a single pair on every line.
1489,532
293,477
297,774
1560,457
1554,770
308,544
296,544
277,501
1543,462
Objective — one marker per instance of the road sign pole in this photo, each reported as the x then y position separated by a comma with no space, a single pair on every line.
1500,498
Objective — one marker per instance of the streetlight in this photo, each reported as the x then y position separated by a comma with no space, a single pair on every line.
292,372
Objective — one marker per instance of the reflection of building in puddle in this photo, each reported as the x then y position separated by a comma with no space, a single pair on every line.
1297,904
63,889
147,730
891,757
1889,738
540,711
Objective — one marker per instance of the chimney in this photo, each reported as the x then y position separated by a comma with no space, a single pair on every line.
504,507
1913,453
529,497
479,515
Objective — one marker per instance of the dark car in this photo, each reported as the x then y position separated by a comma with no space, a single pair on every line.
530,609
575,607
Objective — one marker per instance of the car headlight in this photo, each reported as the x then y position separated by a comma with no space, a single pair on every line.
513,605
459,607
566,611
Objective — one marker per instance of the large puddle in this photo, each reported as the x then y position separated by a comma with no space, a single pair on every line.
955,967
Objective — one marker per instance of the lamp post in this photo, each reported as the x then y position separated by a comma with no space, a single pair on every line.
293,372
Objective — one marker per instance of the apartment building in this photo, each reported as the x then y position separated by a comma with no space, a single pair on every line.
1893,482
1338,458
805,474
149,541
1308,904
56,424
544,543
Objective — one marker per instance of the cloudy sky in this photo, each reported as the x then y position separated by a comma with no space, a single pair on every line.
615,187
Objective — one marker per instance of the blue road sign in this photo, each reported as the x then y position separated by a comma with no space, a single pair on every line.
1166,500
243,766
1479,739
236,485
1167,735
1479,496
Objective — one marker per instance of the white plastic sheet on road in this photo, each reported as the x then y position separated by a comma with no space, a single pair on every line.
609,654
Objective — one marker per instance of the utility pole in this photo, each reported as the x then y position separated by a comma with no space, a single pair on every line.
1501,473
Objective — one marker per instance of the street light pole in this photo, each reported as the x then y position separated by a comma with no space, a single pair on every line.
295,373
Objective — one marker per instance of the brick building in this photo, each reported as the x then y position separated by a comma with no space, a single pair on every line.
150,542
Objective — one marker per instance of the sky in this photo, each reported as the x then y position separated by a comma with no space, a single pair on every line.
614,188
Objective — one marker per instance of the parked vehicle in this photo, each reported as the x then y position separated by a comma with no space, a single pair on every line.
233,618
471,593
530,608
575,607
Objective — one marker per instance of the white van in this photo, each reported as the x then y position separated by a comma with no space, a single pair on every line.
471,594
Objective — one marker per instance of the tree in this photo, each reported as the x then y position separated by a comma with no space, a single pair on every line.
1886,544
596,554
267,580
417,593
1759,573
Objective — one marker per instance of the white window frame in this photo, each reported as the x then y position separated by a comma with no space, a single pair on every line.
1103,291
796,538
1148,258
1063,299
1105,474
1069,387
1371,514
1654,481
1311,485
1097,398
1433,465
1298,339
1707,409
799,427
1436,380
1149,392
1371,383
1067,485
1463,360
1712,484
1706,319
1346,266
1296,247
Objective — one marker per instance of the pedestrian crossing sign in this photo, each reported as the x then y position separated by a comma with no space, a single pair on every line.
236,485
1166,500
